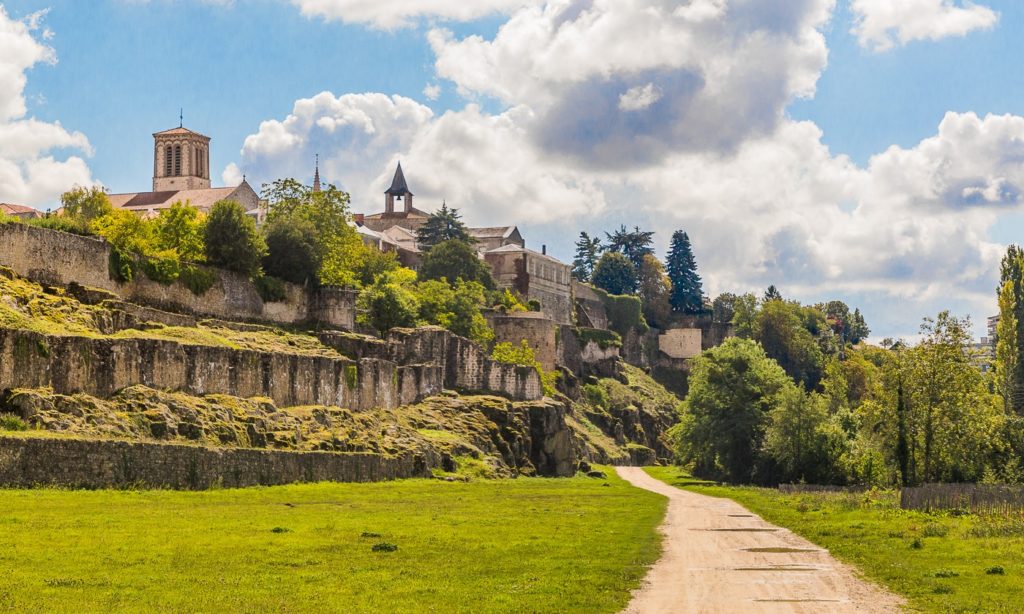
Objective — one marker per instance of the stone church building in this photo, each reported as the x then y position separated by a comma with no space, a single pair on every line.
181,172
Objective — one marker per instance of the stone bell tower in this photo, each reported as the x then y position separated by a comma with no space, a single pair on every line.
181,160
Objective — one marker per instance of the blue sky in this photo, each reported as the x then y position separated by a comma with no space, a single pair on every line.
775,184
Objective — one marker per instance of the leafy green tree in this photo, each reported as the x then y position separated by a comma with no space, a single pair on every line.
687,293
454,260
633,244
780,330
375,263
745,312
232,240
342,252
859,330
456,308
1010,330
588,251
615,274
733,389
386,305
443,225
655,289
293,249
180,228
85,204
723,308
806,444
127,232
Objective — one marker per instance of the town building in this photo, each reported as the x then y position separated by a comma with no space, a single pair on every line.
181,173
19,211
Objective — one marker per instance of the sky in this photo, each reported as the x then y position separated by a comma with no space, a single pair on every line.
864,150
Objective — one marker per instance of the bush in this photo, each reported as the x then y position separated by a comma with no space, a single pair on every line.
61,223
197,279
85,204
10,422
387,305
625,313
270,289
292,250
232,240
180,229
522,355
533,304
121,265
603,338
163,268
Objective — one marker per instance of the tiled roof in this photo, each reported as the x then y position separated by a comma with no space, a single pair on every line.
415,213
496,232
181,131
201,199
12,209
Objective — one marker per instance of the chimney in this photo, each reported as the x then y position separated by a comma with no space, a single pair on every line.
544,250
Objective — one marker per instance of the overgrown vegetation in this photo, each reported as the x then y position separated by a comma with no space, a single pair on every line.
523,355
941,562
494,545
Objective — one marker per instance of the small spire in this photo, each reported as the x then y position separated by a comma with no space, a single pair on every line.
181,117
316,175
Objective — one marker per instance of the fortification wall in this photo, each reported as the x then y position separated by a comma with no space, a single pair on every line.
541,333
59,258
77,463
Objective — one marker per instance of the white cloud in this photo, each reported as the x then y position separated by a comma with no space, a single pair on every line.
392,14
723,72
882,24
29,172
432,91
232,175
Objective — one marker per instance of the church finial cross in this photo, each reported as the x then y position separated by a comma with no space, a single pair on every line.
181,118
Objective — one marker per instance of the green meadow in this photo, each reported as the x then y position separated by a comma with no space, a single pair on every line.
524,545
941,562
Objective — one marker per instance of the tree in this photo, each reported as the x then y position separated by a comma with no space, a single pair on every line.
802,439
375,263
588,251
454,260
654,289
293,249
723,308
85,204
633,244
615,274
733,388
687,294
744,319
341,250
772,294
1010,330
232,240
780,329
443,225
456,308
859,330
386,305
180,228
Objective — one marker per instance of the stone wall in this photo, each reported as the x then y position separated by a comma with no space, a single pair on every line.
79,463
541,333
590,310
713,334
58,258
680,342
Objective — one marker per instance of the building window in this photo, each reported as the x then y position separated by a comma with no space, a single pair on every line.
168,156
199,163
177,160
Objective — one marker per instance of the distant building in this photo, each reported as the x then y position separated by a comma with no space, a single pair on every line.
536,276
181,173
408,217
19,211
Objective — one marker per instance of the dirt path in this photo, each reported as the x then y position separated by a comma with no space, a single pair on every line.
720,558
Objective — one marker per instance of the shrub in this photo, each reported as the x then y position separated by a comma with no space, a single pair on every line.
384,547
180,229
197,279
270,289
522,355
995,571
533,304
387,305
10,422
163,268
232,240
596,396
935,530
625,313
121,266
85,204
61,223
603,338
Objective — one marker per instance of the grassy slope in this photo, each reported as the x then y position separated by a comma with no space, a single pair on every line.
526,545
872,533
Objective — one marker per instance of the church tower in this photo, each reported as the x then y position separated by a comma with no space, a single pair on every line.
399,189
181,160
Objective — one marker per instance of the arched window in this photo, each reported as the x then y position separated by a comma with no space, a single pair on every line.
168,156
177,160
202,167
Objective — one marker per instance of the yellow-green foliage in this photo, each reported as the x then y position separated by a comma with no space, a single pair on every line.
485,546
523,355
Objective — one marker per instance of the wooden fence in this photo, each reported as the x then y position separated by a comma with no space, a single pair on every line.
967,497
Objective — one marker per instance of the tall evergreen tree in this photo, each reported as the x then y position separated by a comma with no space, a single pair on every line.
588,251
687,293
443,225
772,294
633,244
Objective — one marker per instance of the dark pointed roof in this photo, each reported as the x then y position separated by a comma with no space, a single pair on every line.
398,185
316,175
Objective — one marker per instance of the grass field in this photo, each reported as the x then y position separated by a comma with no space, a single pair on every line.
526,545
941,562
